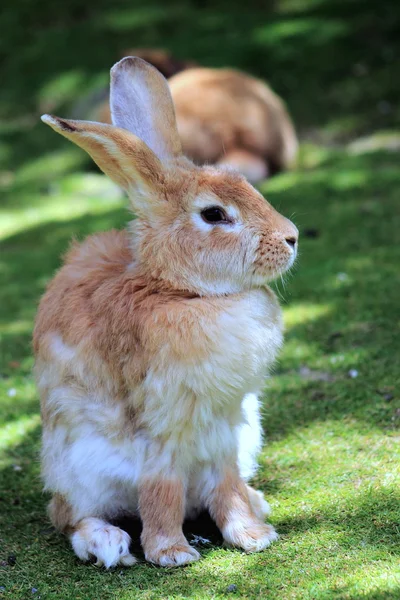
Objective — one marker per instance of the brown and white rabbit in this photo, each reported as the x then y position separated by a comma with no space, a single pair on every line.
151,344
228,117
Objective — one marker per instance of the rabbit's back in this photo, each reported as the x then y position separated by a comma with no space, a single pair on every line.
218,109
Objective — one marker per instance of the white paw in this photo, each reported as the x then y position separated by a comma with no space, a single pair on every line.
175,555
258,503
108,544
250,537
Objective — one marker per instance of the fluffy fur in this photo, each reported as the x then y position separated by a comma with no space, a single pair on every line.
152,344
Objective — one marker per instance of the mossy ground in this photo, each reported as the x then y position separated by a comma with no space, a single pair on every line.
330,464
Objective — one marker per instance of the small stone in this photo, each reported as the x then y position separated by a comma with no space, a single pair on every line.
11,559
342,276
353,373
231,588
17,468
198,540
12,392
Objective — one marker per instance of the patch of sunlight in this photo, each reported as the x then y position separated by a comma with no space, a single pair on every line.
72,197
281,182
63,88
298,351
13,433
49,166
16,327
302,313
378,578
285,181
311,155
346,180
342,438
380,140
318,30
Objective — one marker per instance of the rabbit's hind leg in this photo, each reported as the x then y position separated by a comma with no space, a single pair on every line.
253,166
260,506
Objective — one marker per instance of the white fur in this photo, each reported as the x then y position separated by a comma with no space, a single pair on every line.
238,533
109,544
260,506
172,555
249,436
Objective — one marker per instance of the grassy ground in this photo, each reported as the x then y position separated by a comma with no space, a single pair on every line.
330,466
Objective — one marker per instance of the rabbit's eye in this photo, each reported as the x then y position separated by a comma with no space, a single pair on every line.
214,214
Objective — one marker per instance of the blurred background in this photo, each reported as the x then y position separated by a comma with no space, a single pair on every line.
335,63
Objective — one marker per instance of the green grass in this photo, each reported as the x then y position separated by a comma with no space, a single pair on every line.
330,466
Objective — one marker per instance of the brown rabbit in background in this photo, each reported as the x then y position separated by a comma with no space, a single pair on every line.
228,117
225,117
152,344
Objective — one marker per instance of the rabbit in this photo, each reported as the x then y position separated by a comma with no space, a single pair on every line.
228,117
152,344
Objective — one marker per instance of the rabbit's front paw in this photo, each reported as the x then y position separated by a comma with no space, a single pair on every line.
250,536
98,539
173,555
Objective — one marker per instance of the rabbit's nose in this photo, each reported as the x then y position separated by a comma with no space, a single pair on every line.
291,241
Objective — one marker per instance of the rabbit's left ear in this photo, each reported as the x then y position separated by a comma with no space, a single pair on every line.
141,102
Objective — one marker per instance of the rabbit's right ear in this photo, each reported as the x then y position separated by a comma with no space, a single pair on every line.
141,102
122,156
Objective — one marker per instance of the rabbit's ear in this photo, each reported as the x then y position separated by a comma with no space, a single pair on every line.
122,156
141,102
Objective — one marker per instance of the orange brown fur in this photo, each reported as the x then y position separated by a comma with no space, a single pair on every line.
60,513
161,505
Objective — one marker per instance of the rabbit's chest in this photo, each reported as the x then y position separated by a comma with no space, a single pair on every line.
243,341
201,390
